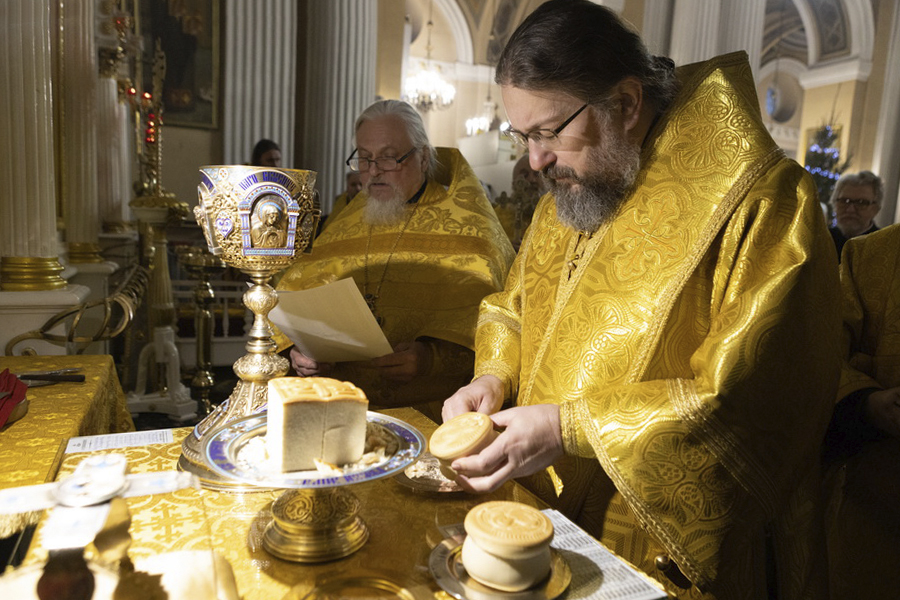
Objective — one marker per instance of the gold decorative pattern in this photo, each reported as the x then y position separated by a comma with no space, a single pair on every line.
30,274
452,253
84,252
668,347
235,205
30,446
863,521
404,525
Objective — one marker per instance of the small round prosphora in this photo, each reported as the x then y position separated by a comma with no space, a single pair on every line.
465,434
507,545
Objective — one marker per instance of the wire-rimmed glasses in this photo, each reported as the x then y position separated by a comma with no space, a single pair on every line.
387,163
857,202
545,138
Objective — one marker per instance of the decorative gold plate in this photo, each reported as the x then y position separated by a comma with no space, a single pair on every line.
356,585
450,574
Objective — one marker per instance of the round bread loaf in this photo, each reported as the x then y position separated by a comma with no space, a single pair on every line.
507,545
465,434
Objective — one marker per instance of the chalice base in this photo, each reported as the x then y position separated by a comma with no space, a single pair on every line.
315,525
247,399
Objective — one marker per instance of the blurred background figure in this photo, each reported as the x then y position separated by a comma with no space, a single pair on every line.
526,179
856,200
862,447
266,153
353,186
516,210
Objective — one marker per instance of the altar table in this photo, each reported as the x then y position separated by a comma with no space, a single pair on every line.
404,525
30,448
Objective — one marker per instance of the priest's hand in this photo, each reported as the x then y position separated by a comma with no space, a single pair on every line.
307,367
405,363
883,410
484,395
531,440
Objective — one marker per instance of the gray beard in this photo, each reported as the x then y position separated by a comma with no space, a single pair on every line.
585,202
384,212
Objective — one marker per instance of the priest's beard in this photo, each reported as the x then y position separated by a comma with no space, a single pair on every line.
585,202
384,212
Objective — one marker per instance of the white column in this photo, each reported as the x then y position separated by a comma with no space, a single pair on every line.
657,26
742,29
260,77
28,197
108,147
341,44
29,271
886,160
695,30
78,123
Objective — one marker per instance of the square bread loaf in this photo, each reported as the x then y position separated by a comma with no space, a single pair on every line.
315,418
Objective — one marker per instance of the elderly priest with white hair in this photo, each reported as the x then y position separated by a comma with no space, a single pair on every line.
423,245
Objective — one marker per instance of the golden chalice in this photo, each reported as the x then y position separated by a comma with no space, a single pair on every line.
256,219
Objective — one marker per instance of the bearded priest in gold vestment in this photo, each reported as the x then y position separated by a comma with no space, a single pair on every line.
424,245
669,331
863,442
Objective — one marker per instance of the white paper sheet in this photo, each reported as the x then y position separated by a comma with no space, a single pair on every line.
112,441
330,323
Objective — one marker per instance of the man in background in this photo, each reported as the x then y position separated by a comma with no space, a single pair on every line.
353,185
862,448
856,200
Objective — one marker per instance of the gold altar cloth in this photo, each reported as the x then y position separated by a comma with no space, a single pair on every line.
403,525
29,447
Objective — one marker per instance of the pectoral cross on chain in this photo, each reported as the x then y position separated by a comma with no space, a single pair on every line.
371,299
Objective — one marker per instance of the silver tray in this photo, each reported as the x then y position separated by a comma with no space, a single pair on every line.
450,574
223,453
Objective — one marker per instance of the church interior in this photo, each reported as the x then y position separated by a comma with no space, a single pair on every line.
109,109
88,148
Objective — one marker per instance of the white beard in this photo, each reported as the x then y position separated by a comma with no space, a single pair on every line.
598,194
384,212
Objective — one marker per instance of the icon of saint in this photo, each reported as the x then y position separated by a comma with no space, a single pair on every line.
267,229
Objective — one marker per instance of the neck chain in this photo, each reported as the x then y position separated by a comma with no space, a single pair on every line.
577,252
372,298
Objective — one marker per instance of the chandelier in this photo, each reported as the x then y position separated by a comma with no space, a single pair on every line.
486,121
427,89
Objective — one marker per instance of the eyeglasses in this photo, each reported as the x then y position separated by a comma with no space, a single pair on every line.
388,163
545,138
860,202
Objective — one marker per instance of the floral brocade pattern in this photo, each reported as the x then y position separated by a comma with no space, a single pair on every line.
31,445
452,254
667,346
429,280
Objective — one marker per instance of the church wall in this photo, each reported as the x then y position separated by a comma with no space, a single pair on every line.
870,106
185,150
389,74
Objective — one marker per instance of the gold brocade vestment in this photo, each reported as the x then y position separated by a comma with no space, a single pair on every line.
692,350
864,511
429,276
